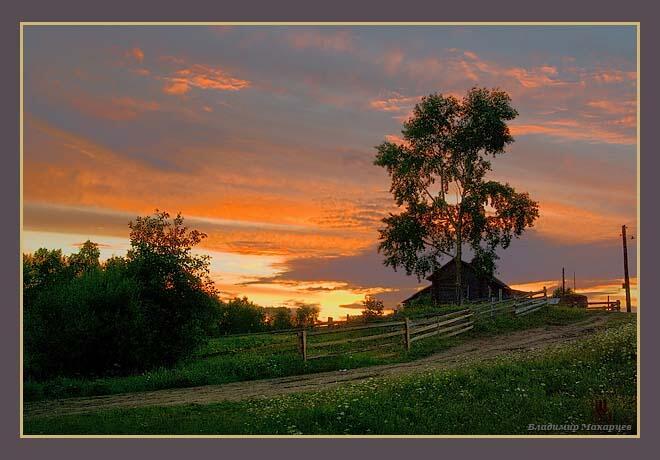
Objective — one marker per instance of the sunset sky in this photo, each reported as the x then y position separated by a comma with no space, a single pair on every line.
263,137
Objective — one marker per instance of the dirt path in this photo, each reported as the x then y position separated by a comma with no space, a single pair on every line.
480,349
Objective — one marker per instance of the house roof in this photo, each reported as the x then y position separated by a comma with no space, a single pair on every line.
417,294
467,265
447,266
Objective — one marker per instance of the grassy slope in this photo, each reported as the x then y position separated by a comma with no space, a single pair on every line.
244,358
558,386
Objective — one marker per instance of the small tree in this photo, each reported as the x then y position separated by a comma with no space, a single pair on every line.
306,315
87,258
42,267
282,319
558,292
438,177
178,296
240,315
373,308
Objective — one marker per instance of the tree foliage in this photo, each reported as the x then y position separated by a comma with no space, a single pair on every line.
306,314
373,308
558,292
239,315
151,308
438,178
280,318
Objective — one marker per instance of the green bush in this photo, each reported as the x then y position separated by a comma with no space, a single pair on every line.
149,309
239,315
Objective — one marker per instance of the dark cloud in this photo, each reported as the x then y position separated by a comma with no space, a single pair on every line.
353,306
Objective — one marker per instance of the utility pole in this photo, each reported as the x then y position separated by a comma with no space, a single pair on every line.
563,282
626,282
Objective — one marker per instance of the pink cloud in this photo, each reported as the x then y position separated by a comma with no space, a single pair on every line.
614,76
574,130
395,102
136,54
115,108
202,77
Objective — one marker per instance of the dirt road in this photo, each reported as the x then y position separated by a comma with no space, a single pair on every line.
477,349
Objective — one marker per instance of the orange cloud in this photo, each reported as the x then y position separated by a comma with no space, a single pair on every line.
202,77
576,130
394,103
534,77
136,54
176,88
614,76
114,108
571,224
245,212
395,139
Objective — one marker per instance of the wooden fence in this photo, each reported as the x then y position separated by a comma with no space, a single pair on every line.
609,305
520,305
404,332
407,331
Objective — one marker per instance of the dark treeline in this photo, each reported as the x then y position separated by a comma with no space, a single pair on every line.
150,308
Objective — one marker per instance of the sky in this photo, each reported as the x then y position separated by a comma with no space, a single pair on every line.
263,137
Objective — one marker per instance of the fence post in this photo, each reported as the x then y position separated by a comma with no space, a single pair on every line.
500,299
545,293
407,335
330,323
302,342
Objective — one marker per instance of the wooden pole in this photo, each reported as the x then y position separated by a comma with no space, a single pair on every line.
500,294
407,335
563,282
625,268
545,292
302,341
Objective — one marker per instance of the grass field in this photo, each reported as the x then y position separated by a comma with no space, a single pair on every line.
241,358
592,381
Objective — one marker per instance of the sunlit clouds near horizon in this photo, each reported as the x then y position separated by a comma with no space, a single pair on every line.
263,137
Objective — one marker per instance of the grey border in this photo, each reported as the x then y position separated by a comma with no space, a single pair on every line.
297,10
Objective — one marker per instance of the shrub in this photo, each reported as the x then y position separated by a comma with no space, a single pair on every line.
373,308
240,315
149,309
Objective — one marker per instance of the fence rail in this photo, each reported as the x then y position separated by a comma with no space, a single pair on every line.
609,305
445,325
520,305
328,338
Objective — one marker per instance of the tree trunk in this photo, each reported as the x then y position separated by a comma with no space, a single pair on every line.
459,262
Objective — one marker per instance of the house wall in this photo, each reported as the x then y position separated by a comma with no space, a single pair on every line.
474,286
